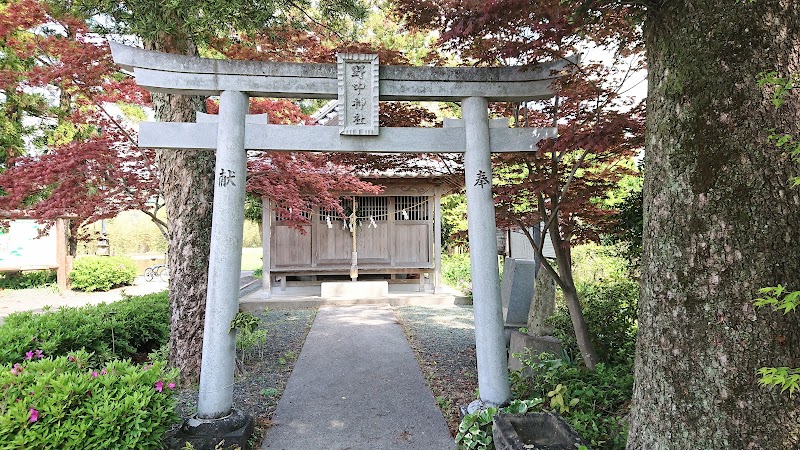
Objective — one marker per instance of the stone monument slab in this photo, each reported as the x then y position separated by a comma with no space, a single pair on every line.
516,290
543,305
535,344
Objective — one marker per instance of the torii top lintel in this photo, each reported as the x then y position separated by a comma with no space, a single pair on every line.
179,74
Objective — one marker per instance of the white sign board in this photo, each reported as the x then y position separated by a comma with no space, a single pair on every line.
21,248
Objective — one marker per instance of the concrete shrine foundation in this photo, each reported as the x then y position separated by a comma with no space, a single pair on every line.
354,289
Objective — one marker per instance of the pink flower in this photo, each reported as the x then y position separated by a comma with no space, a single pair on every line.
103,372
171,385
29,355
34,415
71,358
159,386
16,370
94,374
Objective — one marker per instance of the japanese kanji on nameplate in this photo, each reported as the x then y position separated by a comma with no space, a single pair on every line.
358,93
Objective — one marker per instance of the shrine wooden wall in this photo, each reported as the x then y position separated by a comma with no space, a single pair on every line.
395,232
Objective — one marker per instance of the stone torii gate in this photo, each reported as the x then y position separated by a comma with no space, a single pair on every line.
359,83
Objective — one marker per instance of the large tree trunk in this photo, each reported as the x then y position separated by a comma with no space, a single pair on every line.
720,222
187,183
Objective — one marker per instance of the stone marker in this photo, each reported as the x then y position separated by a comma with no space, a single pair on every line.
538,339
517,290
538,431
542,306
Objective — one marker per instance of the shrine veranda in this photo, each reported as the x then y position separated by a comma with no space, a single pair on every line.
359,83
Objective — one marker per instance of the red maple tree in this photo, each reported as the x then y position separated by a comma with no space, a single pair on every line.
90,167
97,170
562,184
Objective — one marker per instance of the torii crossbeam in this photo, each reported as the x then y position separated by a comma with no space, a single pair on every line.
359,83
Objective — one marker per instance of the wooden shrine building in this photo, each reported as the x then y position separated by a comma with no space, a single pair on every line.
398,237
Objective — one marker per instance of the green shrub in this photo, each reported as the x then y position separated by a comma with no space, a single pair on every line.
101,273
595,403
27,280
63,403
134,325
456,271
610,313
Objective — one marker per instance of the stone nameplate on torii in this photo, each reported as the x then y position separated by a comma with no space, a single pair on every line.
235,81
359,85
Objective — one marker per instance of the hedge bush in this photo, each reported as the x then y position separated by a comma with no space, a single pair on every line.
101,273
594,402
610,313
63,403
27,280
134,325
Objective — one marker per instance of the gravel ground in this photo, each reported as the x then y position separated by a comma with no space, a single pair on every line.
443,339
260,384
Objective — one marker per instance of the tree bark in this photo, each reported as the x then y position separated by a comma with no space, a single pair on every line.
720,222
187,184
566,282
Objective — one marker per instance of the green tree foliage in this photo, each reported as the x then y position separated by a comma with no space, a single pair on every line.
15,104
454,221
198,22
610,311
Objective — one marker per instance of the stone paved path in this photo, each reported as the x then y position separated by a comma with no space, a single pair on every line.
357,386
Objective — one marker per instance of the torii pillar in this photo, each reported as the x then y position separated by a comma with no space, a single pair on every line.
490,344
215,410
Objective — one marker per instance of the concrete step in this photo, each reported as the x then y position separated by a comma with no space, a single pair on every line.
255,302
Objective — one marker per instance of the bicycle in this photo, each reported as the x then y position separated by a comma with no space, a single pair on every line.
159,270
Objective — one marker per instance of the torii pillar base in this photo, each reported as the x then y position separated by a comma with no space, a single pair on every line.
233,430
